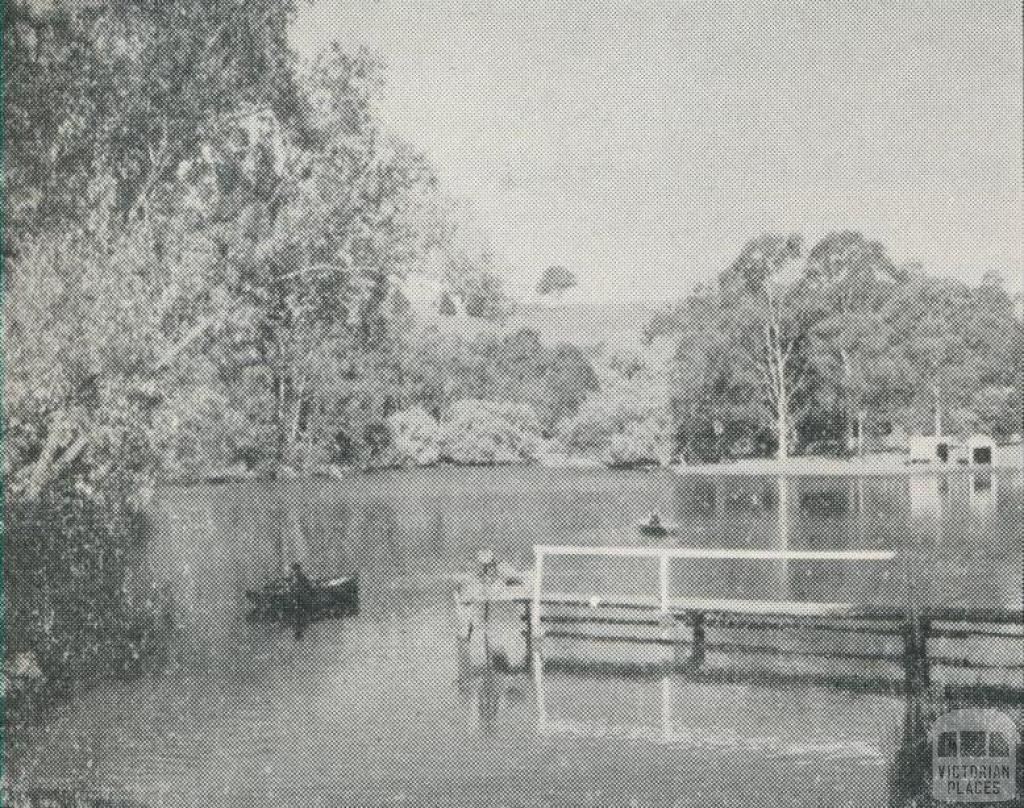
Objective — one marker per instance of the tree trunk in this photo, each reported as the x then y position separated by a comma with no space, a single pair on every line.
860,434
783,426
849,401
282,408
938,413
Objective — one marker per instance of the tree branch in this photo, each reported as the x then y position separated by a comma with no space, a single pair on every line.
48,466
40,475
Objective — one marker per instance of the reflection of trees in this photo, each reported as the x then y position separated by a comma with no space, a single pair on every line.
312,530
437,533
378,535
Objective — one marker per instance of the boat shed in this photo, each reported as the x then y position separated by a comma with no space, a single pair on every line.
931,448
977,450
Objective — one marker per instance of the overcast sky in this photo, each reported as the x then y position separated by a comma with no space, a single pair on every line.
641,143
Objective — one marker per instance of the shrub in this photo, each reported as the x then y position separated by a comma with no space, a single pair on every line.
641,443
602,417
199,433
413,439
71,604
475,432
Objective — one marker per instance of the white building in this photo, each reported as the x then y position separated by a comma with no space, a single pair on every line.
977,450
931,448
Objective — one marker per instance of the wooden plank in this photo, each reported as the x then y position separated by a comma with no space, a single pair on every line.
971,614
764,607
743,623
968,633
772,650
716,552
726,647
847,611
708,605
725,606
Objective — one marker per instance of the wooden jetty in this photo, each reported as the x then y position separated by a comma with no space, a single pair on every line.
664,619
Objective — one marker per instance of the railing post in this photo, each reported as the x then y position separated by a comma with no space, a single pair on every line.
915,653
697,654
667,622
538,577
664,582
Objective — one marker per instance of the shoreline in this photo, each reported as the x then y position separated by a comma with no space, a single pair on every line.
750,467
877,466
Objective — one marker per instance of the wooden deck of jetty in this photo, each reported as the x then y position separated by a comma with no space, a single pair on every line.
683,621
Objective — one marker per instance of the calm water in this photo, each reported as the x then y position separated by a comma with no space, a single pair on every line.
389,708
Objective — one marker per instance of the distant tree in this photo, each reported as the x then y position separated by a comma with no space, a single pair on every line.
514,367
851,338
555,280
766,320
995,411
568,379
484,295
640,443
717,402
412,440
848,280
447,306
471,269
953,341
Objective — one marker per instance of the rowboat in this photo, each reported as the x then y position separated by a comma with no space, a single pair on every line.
657,529
328,597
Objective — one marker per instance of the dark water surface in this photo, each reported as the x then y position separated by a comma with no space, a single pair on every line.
389,708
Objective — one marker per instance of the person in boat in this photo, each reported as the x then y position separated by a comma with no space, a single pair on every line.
301,590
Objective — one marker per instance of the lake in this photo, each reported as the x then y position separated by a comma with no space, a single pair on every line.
389,708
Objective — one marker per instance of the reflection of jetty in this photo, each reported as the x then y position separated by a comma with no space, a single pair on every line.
915,638
743,712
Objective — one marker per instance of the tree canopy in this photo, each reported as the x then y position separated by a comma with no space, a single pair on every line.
834,348
554,280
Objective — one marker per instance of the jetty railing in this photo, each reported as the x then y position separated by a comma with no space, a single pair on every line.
665,555
914,622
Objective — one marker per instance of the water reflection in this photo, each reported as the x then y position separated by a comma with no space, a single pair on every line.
908,772
492,684
926,495
398,687
983,488
868,729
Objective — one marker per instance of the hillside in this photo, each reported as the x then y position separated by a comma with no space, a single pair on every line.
582,324
585,324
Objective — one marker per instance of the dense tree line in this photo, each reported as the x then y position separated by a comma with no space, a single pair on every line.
203,244
829,351
195,218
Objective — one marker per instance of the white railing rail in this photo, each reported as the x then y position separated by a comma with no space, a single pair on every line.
666,554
